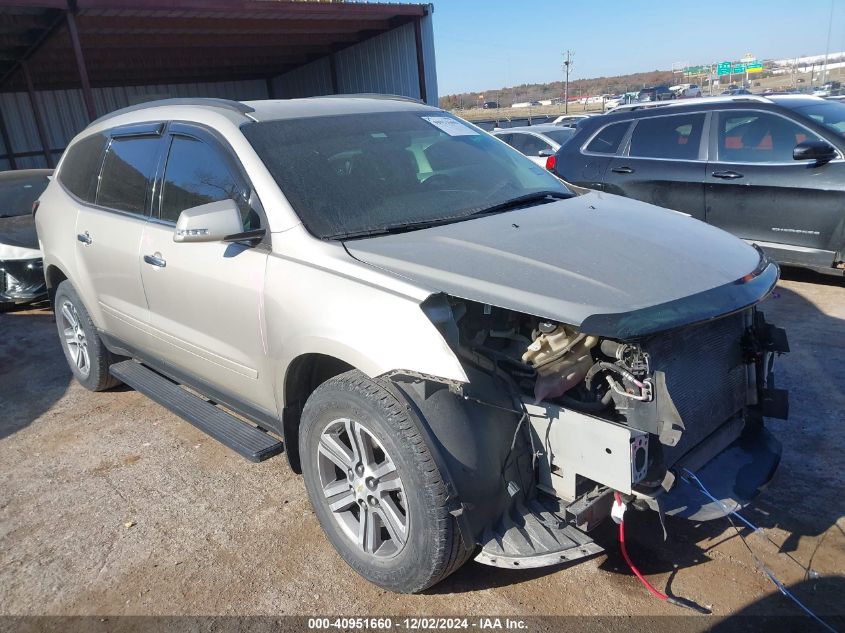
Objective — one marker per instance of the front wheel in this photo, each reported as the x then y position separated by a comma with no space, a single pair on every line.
375,487
88,358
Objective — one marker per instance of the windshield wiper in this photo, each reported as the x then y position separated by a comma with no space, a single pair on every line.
389,230
513,203
521,201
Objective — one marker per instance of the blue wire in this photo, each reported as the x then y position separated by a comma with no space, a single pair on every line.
769,574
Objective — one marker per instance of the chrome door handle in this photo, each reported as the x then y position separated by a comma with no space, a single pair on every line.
84,238
727,175
622,170
155,260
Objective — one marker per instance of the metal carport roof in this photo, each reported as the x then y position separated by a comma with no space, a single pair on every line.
77,44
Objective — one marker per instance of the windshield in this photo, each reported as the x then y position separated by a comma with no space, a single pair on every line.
559,136
358,173
18,194
829,114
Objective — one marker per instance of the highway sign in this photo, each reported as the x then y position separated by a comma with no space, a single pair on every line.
738,68
756,67
724,68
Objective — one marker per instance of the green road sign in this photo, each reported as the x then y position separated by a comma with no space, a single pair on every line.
695,70
724,68
738,68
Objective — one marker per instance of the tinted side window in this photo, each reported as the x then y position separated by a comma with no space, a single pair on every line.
529,144
198,174
675,137
607,141
81,166
759,137
127,171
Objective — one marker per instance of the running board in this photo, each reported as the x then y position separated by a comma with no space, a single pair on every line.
248,441
529,536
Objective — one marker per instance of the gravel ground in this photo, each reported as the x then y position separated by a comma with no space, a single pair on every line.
111,505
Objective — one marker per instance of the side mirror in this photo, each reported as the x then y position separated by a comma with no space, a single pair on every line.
545,153
212,222
819,151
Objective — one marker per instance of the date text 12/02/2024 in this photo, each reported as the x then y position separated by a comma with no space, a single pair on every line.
416,623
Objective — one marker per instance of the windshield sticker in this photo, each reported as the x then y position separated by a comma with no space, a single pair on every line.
450,126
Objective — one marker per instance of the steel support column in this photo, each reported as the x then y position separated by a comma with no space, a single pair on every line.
7,142
87,95
420,60
333,73
36,113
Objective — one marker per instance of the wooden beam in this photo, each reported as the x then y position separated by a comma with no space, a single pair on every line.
36,113
212,40
87,95
316,10
241,24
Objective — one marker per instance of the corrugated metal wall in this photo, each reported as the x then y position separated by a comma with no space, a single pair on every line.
384,64
64,112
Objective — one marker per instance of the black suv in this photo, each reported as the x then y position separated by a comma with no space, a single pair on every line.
658,93
770,170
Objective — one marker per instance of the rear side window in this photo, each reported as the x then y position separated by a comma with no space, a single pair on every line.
677,137
81,166
608,139
759,137
197,174
529,144
127,171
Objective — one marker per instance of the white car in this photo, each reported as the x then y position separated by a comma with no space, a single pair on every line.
539,143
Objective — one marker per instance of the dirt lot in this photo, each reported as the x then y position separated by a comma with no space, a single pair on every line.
111,505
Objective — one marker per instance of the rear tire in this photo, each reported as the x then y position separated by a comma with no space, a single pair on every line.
88,358
385,475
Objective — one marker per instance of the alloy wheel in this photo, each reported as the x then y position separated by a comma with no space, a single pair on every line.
362,488
74,337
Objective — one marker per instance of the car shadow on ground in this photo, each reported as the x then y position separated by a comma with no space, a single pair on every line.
775,612
33,371
803,500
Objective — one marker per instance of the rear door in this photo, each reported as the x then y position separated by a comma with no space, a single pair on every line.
664,163
758,192
586,165
205,298
109,229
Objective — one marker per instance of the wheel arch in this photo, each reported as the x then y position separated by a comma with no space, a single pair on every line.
53,276
304,374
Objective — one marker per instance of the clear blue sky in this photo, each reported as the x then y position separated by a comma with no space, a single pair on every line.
486,44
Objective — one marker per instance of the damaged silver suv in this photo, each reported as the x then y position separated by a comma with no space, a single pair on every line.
463,356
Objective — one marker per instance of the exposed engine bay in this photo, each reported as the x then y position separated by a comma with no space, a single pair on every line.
607,415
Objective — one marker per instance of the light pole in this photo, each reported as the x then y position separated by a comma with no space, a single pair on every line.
827,46
567,63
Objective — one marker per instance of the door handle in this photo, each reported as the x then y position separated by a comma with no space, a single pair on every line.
622,170
84,238
155,260
727,175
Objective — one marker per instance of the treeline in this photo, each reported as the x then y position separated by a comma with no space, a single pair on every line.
577,87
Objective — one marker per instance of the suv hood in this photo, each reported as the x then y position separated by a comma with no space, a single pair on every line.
594,260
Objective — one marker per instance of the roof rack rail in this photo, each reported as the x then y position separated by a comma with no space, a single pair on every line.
372,95
630,107
226,104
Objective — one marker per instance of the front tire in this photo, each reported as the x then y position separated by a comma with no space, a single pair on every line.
375,487
88,358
